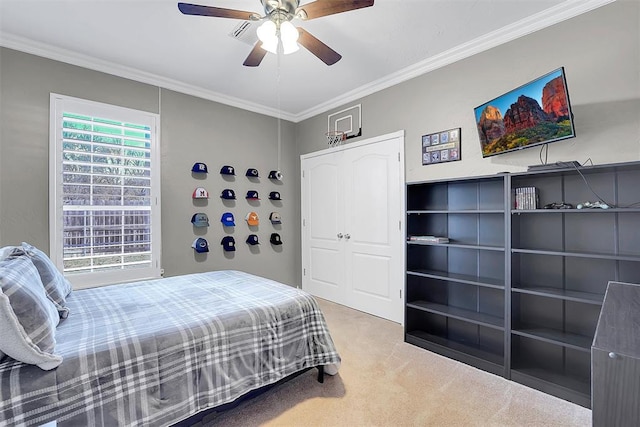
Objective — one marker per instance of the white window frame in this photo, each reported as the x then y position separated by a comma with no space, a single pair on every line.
63,103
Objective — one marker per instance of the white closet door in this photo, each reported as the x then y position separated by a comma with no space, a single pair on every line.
352,234
373,234
323,251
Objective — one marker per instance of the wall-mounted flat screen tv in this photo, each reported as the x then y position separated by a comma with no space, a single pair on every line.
533,114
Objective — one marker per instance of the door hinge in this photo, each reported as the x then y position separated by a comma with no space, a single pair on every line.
400,225
400,293
398,156
304,222
304,271
303,174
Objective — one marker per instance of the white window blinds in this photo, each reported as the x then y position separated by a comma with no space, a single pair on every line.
107,217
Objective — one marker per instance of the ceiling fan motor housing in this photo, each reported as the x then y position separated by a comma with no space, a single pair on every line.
284,9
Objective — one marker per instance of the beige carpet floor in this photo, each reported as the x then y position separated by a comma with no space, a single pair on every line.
385,382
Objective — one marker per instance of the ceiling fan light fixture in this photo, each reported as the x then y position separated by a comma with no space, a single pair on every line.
267,33
271,46
289,36
270,36
288,48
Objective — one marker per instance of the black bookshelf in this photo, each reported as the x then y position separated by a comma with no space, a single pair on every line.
518,292
455,291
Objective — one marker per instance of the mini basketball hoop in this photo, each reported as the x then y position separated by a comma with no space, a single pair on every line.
335,137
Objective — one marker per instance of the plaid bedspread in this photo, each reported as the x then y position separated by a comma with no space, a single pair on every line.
155,352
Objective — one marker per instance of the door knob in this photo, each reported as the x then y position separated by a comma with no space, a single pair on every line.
339,235
347,236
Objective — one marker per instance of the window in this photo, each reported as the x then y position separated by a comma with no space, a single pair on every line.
104,192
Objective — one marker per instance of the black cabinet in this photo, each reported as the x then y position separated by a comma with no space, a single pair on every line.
518,292
616,358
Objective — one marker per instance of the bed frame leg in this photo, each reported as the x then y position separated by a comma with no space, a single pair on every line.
321,374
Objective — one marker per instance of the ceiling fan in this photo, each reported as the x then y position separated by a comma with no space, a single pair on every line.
278,15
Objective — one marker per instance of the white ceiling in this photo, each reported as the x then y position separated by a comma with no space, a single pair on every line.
392,41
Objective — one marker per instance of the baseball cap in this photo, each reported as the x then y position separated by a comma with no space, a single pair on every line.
227,170
253,239
199,168
200,220
200,193
253,173
252,195
275,218
228,243
275,175
228,194
200,245
275,239
252,218
274,195
227,219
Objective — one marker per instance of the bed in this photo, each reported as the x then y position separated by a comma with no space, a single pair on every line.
154,353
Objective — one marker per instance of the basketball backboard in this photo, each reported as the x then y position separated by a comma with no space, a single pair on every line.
348,121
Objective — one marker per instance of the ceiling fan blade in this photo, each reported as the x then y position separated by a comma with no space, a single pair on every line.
218,12
321,8
319,49
255,57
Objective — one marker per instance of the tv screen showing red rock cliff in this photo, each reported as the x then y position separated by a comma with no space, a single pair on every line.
535,113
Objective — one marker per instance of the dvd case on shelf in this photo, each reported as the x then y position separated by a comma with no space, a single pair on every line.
526,198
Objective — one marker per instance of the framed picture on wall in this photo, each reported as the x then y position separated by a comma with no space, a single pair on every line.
441,147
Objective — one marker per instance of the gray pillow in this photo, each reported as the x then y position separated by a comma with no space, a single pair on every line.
5,253
56,285
27,316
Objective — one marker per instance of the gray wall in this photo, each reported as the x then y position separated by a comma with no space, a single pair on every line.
600,51
192,130
25,84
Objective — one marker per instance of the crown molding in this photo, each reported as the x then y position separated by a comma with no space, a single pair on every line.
541,20
567,10
63,55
